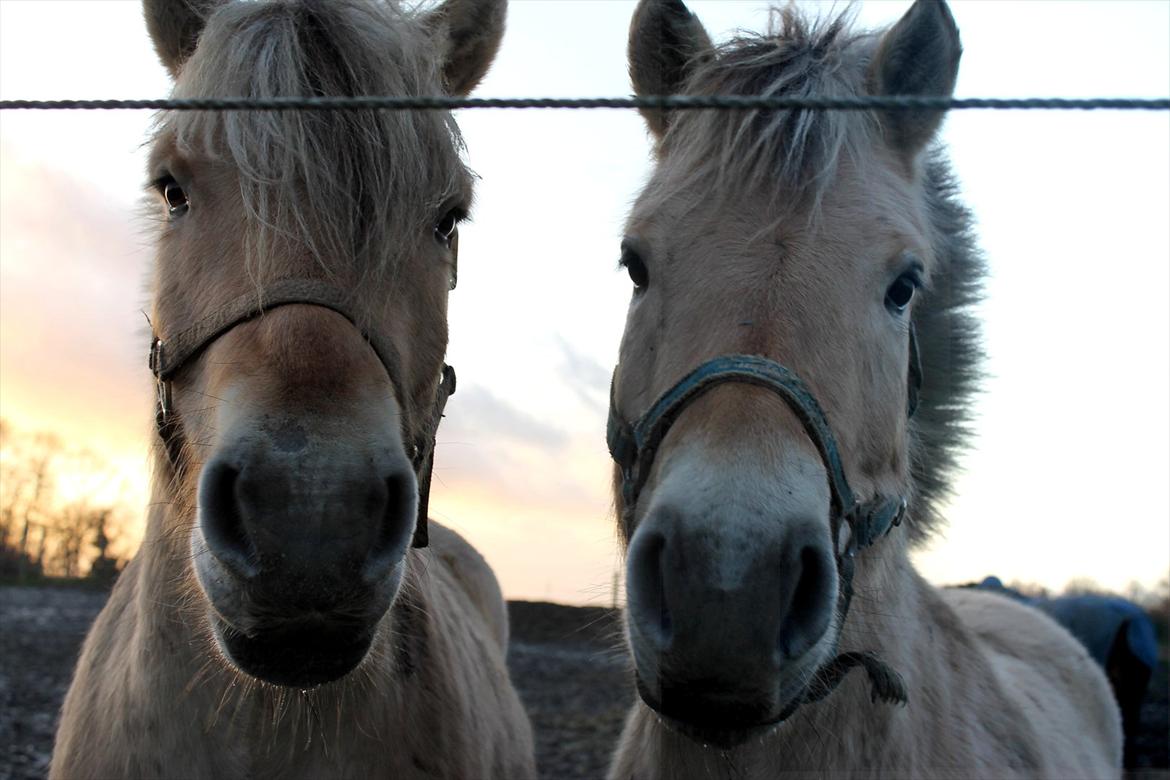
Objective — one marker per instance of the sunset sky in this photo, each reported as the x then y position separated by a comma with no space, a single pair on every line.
1068,476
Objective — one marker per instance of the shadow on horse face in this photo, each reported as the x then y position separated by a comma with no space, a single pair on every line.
790,240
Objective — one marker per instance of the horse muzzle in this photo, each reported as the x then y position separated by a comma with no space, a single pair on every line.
729,616
708,715
300,548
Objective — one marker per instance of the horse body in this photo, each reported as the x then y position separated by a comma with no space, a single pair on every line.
284,615
791,395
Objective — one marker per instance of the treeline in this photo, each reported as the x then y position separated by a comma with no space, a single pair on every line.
51,525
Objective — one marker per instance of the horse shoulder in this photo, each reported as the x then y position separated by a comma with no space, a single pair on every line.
1051,678
471,625
461,565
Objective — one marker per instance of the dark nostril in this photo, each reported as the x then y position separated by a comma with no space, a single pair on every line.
647,588
221,521
399,501
809,610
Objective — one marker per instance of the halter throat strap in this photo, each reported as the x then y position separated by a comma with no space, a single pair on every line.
169,355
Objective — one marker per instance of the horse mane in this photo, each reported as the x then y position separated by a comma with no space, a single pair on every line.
797,153
950,347
335,183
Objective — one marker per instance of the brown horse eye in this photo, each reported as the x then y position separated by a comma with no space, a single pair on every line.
175,197
636,267
445,228
900,293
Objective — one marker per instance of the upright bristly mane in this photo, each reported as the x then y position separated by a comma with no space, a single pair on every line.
795,154
335,183
950,345
791,151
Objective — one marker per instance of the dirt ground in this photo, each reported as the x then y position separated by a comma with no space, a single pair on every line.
566,662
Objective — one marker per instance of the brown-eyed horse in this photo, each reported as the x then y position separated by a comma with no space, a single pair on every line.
278,621
798,361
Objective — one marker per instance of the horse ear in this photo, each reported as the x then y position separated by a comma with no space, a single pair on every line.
174,27
666,40
918,56
469,34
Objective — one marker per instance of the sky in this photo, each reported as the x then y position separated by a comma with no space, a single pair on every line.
1068,473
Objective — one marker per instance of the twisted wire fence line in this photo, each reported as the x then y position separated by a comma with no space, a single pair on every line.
671,102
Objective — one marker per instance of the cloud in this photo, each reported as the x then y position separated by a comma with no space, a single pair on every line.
489,445
71,295
587,378
475,413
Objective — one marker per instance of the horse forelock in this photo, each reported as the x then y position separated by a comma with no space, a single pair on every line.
789,156
355,189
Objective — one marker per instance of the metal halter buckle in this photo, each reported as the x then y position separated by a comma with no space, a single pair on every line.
162,386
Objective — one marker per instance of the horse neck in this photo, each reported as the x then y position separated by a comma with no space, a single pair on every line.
165,554
891,611
886,603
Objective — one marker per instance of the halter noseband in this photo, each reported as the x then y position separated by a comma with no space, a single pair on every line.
634,445
169,355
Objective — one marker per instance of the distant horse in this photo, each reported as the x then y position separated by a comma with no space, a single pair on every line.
1118,634
797,363
285,616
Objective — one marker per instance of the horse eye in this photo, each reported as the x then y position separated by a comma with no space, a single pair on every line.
176,199
446,227
901,292
635,266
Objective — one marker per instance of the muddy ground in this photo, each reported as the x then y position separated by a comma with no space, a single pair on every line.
563,659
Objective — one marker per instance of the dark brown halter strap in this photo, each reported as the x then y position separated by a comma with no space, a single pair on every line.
168,355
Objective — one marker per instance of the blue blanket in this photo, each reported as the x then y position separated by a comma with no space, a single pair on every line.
1094,620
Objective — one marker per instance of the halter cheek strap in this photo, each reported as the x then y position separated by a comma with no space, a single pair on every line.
913,375
168,356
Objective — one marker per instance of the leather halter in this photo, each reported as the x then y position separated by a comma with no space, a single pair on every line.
169,355
634,445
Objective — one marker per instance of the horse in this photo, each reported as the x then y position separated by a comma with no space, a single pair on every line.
792,391
290,612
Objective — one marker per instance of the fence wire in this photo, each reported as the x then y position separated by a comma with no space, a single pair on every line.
670,102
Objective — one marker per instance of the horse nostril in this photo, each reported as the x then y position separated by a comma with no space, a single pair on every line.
647,588
808,614
221,521
397,518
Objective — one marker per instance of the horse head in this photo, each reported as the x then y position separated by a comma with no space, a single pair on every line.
759,409
300,311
